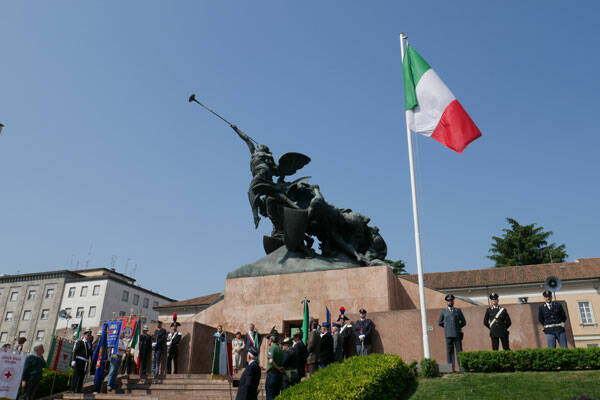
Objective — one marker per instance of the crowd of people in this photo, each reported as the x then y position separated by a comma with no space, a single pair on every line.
551,316
289,359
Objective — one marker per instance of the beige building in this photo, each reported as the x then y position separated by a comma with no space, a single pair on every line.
525,284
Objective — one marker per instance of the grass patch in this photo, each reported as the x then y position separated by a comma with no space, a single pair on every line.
562,385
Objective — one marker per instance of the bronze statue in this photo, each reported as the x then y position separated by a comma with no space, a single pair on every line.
299,211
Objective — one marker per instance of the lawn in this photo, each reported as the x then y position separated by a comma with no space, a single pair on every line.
510,386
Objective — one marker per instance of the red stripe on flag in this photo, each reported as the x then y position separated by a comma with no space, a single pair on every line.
456,129
60,343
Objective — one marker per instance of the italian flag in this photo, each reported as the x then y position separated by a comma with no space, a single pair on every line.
432,109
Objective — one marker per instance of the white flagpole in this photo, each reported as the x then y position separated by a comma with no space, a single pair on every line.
426,353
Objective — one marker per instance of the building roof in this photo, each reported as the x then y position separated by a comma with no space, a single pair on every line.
63,273
584,268
196,301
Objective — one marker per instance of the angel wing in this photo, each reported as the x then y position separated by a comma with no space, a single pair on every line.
289,163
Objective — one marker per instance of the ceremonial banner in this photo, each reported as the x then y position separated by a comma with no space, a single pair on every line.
114,332
100,355
222,363
59,356
305,320
11,370
128,326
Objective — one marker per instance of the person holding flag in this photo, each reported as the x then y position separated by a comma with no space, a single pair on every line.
80,359
118,348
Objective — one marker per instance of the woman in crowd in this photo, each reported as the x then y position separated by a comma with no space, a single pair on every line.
237,348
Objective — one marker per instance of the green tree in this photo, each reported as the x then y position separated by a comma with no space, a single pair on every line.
398,267
525,245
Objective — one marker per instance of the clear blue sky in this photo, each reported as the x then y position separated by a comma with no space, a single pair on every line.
101,146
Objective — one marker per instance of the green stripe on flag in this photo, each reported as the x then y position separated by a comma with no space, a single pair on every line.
413,68
216,356
51,354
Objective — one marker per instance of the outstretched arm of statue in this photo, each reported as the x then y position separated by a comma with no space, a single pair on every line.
245,138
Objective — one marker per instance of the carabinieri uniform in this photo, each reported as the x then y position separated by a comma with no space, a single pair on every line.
498,321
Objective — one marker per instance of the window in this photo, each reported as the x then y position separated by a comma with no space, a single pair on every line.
136,299
79,312
92,312
146,302
154,304
72,292
44,314
68,310
31,295
585,312
26,315
125,296
49,293
3,336
22,334
83,292
122,313
9,316
14,296
96,290
39,336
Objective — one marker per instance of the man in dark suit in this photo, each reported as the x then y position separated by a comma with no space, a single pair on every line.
363,329
248,389
313,346
145,344
301,354
79,360
32,373
452,320
326,351
552,317
498,321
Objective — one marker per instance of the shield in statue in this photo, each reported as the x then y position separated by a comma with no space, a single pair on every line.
295,223
271,243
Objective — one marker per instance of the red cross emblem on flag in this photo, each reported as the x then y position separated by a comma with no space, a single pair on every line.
8,375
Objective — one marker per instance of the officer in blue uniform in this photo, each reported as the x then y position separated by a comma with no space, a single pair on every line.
552,317
452,320
363,329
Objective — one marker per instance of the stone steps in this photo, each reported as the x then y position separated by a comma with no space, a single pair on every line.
171,387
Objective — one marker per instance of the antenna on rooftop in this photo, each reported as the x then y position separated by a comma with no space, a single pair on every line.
127,265
113,261
72,260
89,256
133,270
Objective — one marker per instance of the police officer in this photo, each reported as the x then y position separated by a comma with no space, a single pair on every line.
452,320
81,355
498,321
552,317
363,328
173,341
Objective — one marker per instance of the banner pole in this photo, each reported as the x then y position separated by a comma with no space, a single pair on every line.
426,353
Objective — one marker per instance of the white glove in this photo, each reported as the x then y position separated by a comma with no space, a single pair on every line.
362,337
72,363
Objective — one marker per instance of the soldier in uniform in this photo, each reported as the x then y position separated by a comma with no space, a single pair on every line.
79,360
145,346
498,321
552,317
313,347
173,341
363,328
452,320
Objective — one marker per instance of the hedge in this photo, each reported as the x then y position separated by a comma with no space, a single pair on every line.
61,383
377,376
531,360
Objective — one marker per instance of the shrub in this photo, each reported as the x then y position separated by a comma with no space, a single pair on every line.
531,360
61,383
377,376
429,368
